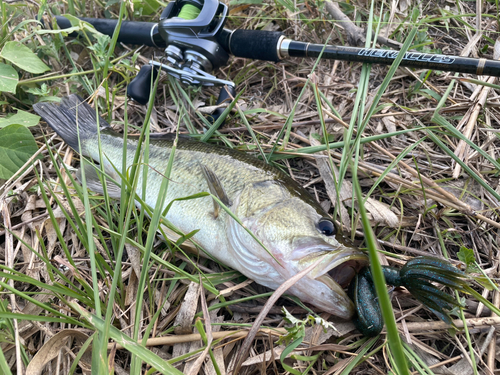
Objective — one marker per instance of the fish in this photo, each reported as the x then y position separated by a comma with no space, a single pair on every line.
282,215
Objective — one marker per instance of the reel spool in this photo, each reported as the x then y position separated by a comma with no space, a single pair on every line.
190,29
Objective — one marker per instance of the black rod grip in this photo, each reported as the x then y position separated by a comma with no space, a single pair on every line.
131,32
255,44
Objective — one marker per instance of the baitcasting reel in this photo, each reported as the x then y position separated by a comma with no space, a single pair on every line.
189,29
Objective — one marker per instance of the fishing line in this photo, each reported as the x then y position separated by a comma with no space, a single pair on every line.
189,12
233,17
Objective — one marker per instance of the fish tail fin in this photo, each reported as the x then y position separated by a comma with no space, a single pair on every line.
70,119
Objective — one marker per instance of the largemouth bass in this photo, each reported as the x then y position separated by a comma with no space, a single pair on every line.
281,214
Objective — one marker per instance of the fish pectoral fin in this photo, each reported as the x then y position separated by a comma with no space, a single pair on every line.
215,187
94,182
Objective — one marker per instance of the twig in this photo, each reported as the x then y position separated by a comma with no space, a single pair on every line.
480,96
196,367
462,147
439,364
355,34
17,226
177,339
439,325
493,346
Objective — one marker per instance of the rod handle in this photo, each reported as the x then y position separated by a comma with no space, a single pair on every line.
256,44
131,32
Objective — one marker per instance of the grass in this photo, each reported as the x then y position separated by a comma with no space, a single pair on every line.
81,270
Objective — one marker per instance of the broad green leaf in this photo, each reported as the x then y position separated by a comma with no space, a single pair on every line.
145,7
75,21
17,145
290,318
21,56
78,25
20,118
467,256
43,90
8,78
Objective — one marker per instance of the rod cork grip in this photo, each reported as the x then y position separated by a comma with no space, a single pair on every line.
255,44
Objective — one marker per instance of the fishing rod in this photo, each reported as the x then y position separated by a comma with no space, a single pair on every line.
197,43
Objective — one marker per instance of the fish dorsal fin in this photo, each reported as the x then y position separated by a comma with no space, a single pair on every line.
215,187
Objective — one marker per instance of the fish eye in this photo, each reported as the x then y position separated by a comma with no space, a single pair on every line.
326,227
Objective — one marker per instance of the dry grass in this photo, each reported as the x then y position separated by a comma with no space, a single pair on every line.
425,204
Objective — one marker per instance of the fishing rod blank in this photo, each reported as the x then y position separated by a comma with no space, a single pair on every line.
379,56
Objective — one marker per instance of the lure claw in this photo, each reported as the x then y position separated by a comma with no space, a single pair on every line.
417,276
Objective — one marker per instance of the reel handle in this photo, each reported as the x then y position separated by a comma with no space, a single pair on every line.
252,44
227,93
140,87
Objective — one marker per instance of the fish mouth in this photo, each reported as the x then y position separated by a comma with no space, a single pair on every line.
336,268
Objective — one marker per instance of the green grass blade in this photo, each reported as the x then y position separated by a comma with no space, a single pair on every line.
132,346
211,130
361,355
395,162
393,338
4,366
471,173
342,144
441,121
417,362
